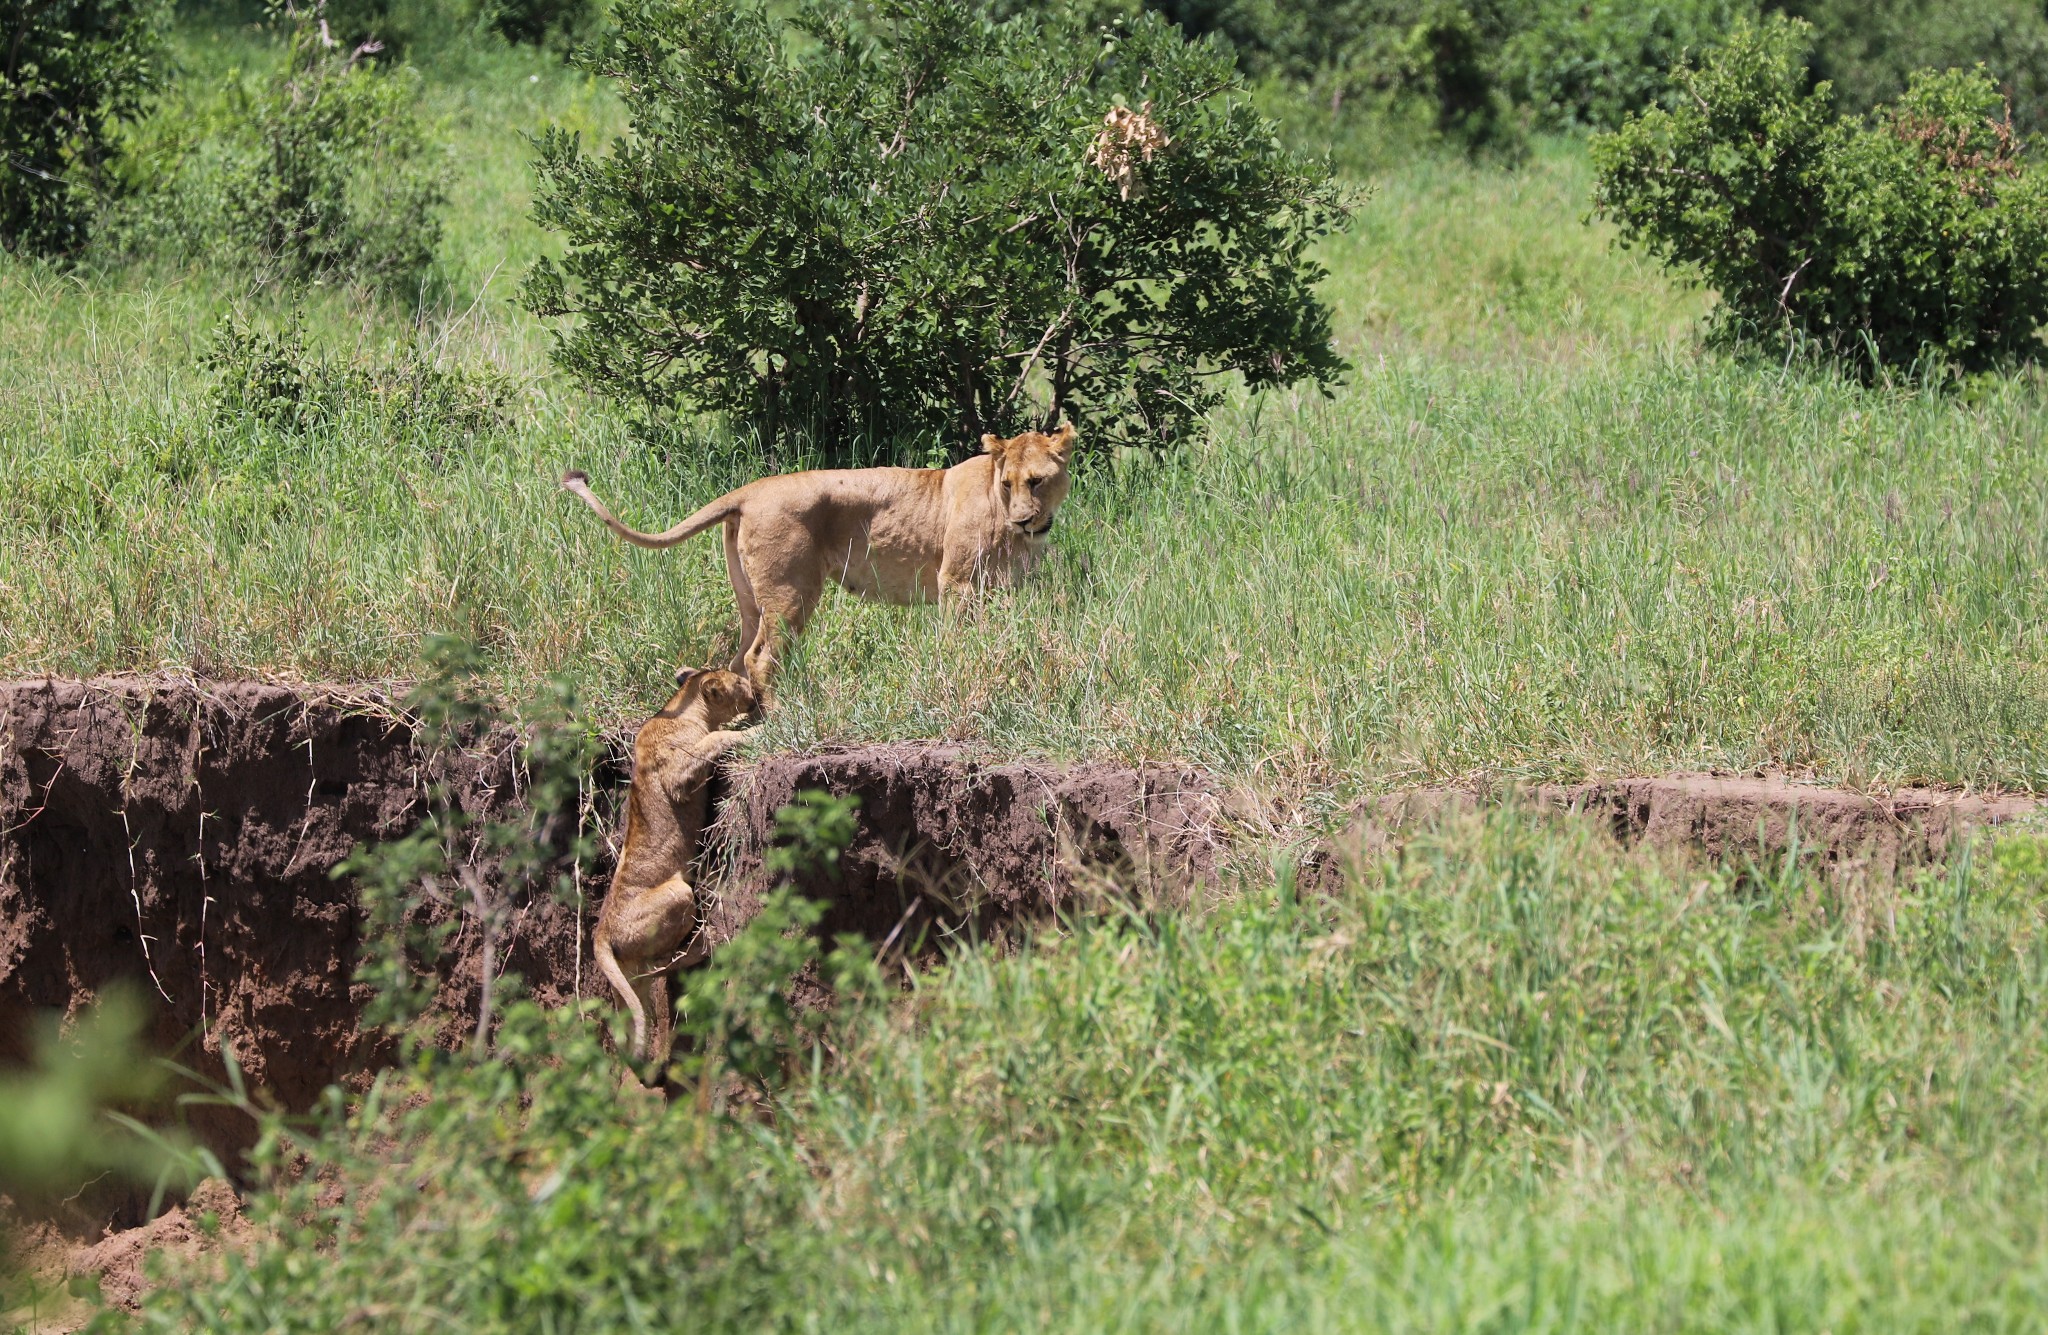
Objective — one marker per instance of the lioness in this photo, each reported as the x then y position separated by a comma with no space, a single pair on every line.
651,908
897,535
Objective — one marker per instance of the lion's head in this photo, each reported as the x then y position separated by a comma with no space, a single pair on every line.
726,695
1031,476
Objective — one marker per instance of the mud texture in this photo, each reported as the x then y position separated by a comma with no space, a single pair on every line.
1723,817
182,836
951,845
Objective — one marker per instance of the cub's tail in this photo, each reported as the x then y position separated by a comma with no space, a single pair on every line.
608,965
710,516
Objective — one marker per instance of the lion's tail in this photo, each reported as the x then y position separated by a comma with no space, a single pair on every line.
608,965
710,516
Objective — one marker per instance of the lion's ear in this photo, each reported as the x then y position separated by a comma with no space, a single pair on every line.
683,676
991,444
1063,440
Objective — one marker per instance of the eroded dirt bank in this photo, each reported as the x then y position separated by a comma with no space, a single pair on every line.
1731,817
182,835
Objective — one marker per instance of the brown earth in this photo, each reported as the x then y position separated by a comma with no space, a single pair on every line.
949,843
1732,818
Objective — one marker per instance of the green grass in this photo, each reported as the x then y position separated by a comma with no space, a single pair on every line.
1515,1080
1538,534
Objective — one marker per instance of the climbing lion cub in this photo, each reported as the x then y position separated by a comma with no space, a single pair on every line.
651,908
896,535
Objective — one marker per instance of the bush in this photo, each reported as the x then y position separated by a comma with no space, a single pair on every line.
70,72
930,224
1869,49
542,22
1395,57
1594,63
274,380
1918,237
323,172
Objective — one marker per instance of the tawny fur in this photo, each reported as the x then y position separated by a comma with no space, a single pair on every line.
896,535
651,910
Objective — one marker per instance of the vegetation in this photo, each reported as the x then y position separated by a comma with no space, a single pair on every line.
1514,1080
321,171
927,229
70,73
1869,49
1921,236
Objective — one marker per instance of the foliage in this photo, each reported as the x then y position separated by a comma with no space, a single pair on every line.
1516,1069
1869,49
1920,236
70,72
1388,58
455,869
1581,63
69,1128
810,834
322,172
560,23
273,380
59,1124
930,225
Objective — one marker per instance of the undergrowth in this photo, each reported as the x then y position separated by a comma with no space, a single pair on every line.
1513,1079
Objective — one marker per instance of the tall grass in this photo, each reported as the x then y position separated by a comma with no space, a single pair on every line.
1515,1080
1537,535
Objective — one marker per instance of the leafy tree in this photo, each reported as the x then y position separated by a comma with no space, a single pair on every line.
925,222
1919,236
1870,49
335,174
1592,62
70,72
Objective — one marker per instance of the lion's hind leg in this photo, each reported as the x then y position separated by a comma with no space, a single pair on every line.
743,596
645,938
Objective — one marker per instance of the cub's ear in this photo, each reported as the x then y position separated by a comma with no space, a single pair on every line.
683,676
1063,440
992,444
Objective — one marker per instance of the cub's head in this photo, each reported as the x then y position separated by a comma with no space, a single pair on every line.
727,696
1031,477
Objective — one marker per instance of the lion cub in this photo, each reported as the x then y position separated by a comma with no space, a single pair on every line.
651,908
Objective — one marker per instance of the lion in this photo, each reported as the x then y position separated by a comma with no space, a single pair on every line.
895,535
651,907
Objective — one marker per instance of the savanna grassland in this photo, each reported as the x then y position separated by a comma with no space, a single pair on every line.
1516,1078
1536,534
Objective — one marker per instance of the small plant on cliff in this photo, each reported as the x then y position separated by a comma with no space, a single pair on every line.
1918,238
909,221
457,870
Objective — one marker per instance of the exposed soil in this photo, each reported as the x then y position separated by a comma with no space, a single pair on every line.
950,844
182,835
1725,817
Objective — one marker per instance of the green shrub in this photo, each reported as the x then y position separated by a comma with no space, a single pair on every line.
1920,236
1869,49
275,381
929,225
543,22
323,171
1393,60
70,72
1592,63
